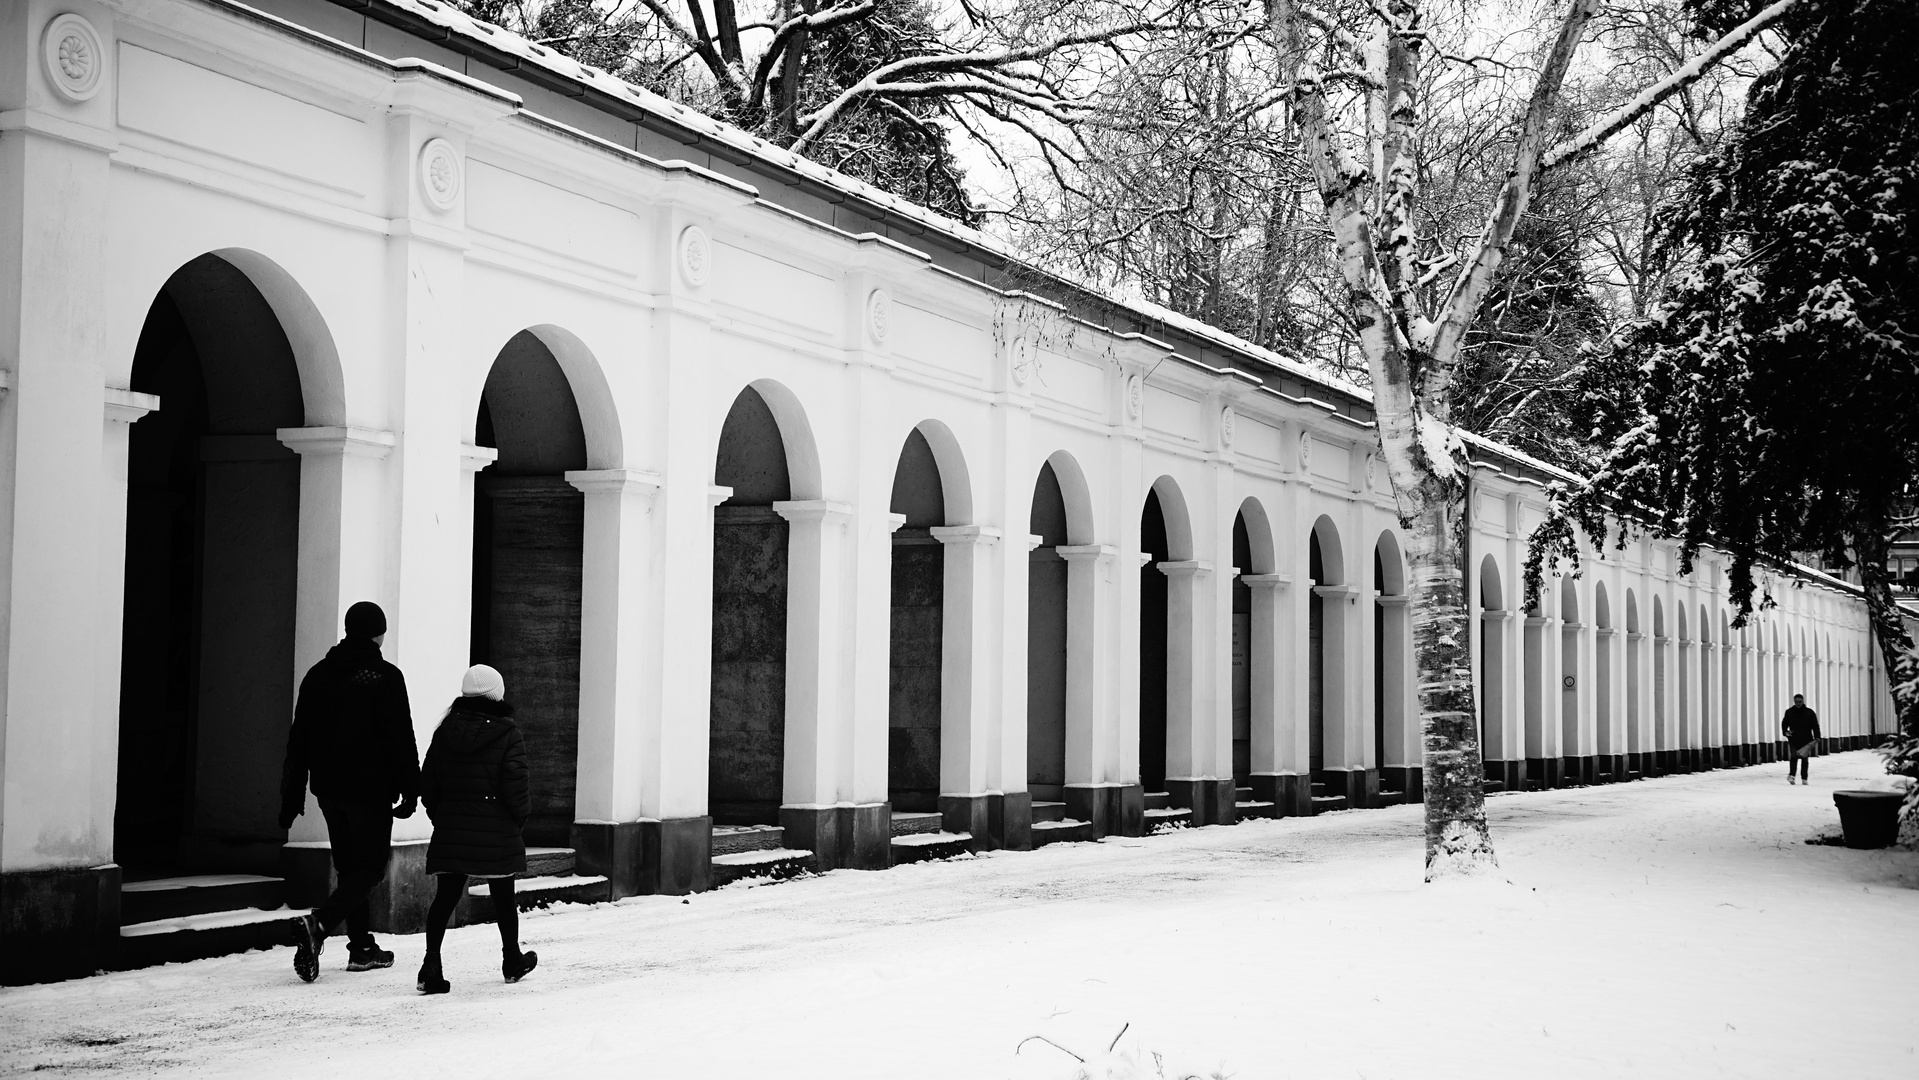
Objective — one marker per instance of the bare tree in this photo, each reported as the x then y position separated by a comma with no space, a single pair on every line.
1354,79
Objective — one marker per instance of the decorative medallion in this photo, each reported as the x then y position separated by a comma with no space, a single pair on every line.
1372,463
1023,359
1135,395
1305,450
440,177
696,256
74,56
1226,422
879,315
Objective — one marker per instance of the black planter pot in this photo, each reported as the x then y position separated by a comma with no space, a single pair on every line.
1870,818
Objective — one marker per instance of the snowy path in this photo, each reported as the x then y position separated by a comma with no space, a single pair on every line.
1676,927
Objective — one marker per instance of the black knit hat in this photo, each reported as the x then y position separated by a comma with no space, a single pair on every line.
365,620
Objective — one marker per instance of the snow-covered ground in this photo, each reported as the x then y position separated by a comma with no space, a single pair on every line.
1674,927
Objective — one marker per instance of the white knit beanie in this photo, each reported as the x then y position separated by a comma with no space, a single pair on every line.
483,681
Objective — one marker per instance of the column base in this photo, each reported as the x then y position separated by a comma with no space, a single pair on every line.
58,924
1545,773
1509,773
670,857
1290,793
397,905
1411,780
1358,785
968,814
1113,809
1663,762
1211,800
857,837
1009,820
1612,768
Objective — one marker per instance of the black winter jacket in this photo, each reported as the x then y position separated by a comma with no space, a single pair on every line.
474,787
352,732
1800,726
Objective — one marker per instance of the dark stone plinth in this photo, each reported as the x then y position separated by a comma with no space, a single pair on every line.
1355,784
1581,770
1411,780
397,904
612,849
1290,793
1009,820
1211,800
643,858
1612,768
58,924
968,814
1112,809
1545,773
842,837
1511,773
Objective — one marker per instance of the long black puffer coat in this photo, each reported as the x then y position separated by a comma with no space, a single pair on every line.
474,788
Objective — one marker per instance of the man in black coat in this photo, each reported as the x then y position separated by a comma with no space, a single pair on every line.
353,737
1801,729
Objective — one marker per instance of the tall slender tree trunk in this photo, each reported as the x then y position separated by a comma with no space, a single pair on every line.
1895,649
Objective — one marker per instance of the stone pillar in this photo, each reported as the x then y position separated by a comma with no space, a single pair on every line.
1191,779
966,715
1503,750
1113,806
1276,778
815,812
615,555
1608,725
123,409
343,495
1401,761
1575,750
1344,748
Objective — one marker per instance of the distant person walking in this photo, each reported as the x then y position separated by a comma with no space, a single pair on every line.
474,786
353,737
1801,728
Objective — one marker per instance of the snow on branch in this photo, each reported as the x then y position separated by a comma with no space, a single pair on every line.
1691,72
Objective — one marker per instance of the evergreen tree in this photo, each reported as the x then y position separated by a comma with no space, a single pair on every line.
1778,405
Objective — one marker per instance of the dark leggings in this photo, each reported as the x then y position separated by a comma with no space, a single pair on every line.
506,912
1797,762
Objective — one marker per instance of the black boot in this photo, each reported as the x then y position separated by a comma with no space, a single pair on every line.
516,967
309,937
430,980
367,956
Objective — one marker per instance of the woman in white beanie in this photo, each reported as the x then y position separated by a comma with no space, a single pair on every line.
474,787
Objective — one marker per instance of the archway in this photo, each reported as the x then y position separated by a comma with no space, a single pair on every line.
1392,640
1501,768
1046,622
915,643
1533,660
529,529
207,673
1326,663
1611,756
746,740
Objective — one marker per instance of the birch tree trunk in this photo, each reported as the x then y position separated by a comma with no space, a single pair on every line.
1895,648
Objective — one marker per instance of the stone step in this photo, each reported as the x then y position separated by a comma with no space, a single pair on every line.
548,862
1253,808
733,839
533,892
197,894
199,936
1242,794
1319,790
1171,817
770,864
1383,797
1323,804
1158,800
1048,811
1634,774
1062,831
909,824
927,846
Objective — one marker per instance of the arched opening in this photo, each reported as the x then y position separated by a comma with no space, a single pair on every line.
747,711
1046,580
1392,750
1493,628
1533,673
1259,754
529,529
1635,648
207,673
1573,751
915,649
1611,754
1326,660
1153,587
